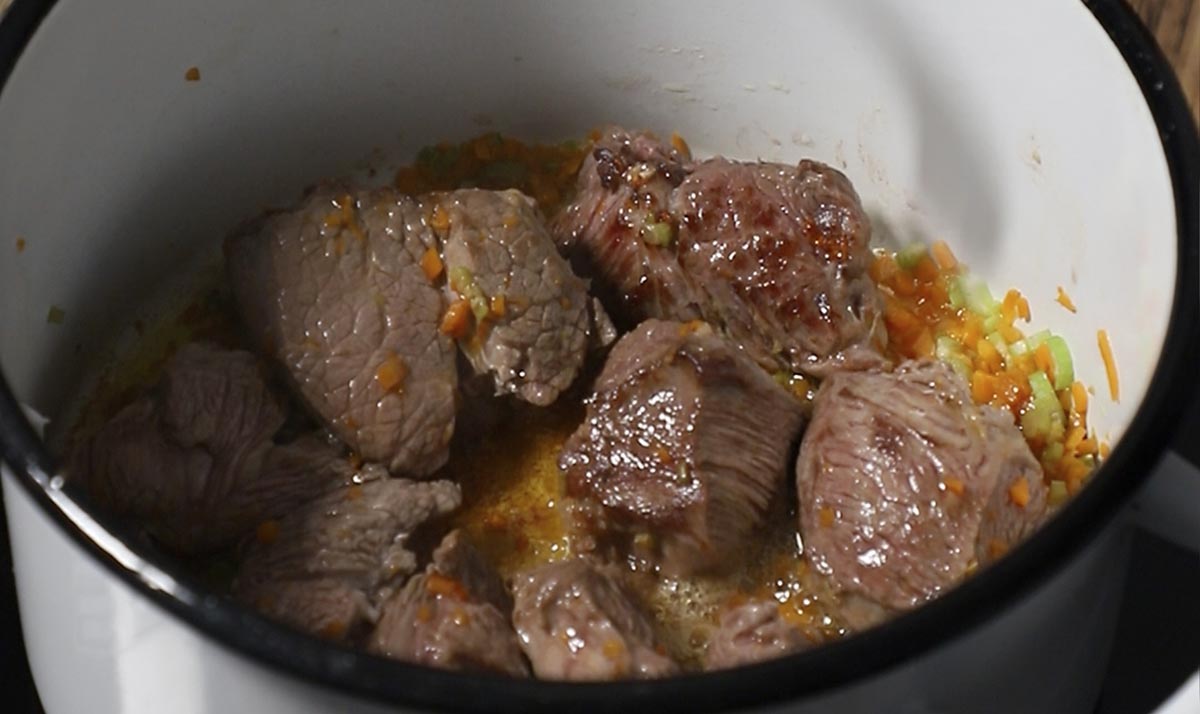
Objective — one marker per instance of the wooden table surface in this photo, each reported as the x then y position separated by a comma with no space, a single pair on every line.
1176,24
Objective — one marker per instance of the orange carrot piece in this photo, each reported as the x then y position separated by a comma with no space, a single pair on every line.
1079,398
954,485
1019,492
1110,366
431,264
943,256
457,319
1064,299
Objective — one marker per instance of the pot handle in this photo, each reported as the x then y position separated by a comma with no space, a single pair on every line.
1169,504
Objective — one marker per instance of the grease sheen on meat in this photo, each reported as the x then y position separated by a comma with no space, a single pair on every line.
335,291
577,622
685,444
326,566
454,615
751,632
537,332
773,254
879,475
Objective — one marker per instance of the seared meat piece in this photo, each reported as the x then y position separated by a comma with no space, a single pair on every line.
685,443
578,623
781,254
904,483
326,566
752,632
455,615
193,459
617,227
774,255
501,261
335,291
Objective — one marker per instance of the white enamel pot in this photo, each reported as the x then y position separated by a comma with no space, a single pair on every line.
1045,140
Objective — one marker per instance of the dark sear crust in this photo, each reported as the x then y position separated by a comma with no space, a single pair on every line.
780,254
905,484
532,314
774,255
577,622
335,291
685,444
454,615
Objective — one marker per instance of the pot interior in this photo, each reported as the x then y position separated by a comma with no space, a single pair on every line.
1026,146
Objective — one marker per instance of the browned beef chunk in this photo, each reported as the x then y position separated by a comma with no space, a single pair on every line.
194,461
752,632
455,615
624,192
535,312
327,565
781,255
576,622
335,291
774,255
685,444
904,484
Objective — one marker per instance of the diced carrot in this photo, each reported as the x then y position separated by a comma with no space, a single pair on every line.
431,264
680,145
267,532
1087,446
826,516
1076,435
988,355
1009,306
1064,299
943,255
1044,361
1110,367
954,485
391,373
926,270
438,584
1079,398
883,269
1010,333
983,387
440,220
1023,309
1018,493
899,319
1103,449
924,345
457,320
498,306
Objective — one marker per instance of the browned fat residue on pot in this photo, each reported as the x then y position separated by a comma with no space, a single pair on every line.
192,74
20,244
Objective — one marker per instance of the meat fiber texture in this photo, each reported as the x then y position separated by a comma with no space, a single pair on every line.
193,460
350,290
577,622
685,445
773,255
905,485
751,632
326,566
455,615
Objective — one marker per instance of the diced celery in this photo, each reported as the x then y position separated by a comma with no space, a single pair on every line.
1060,354
1052,453
461,279
977,296
1019,348
910,255
955,294
1044,415
1035,340
992,322
998,342
479,303
1058,492
658,233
